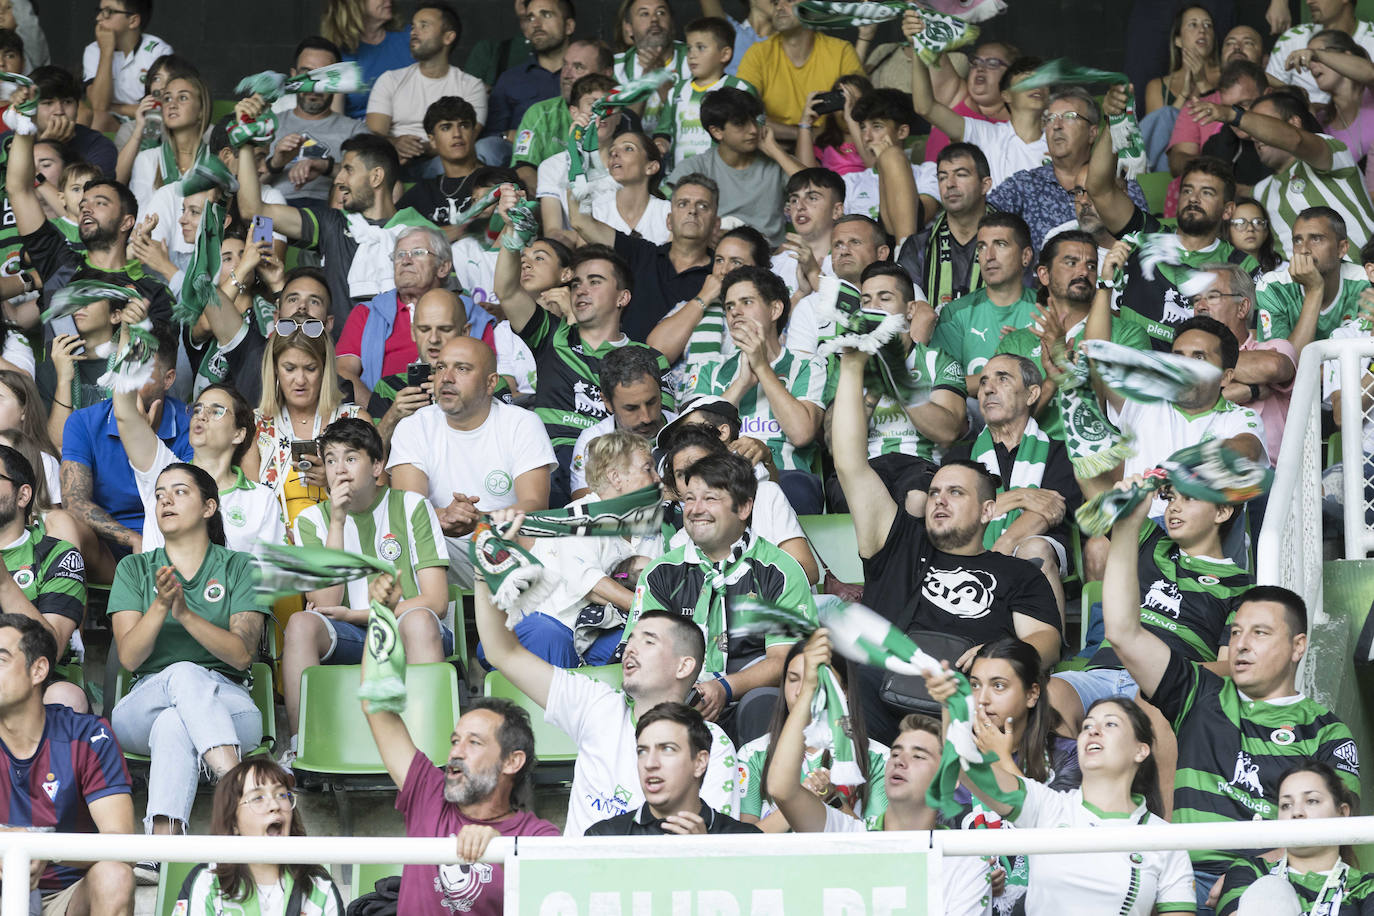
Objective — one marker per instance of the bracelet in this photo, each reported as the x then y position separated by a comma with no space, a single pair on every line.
233,278
805,125
60,404
729,694
698,300
1254,393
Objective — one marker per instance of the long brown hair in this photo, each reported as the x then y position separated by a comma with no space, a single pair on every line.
344,21
235,881
35,421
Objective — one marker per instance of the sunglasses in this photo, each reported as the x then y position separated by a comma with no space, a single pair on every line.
310,327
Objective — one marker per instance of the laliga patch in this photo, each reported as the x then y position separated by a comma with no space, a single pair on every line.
389,548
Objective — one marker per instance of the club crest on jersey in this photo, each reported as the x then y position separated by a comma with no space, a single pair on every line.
1283,736
50,787
236,517
214,591
389,548
23,577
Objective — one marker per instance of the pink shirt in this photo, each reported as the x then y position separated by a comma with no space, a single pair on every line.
1187,130
841,160
1359,136
1273,410
939,139
433,890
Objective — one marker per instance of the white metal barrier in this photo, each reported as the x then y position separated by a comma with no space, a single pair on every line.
1289,552
20,847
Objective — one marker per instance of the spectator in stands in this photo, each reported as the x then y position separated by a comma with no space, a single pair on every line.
943,258
1238,779
22,409
69,379
490,57
187,624
468,448
1309,166
1242,81
855,243
451,128
399,99
387,524
357,238
543,129
863,800
1194,65
1037,495
673,751
911,768
972,327
633,160
976,95
543,265
710,46
649,34
186,110
1318,290
717,496
300,397
1343,70
129,139
771,67
1338,15
742,161
439,316
376,339
1248,230
886,118
485,790
1010,146
660,664
98,485
937,557
1044,196
837,145
1265,370
56,119
113,65
475,250
371,34
1309,789
632,391
258,798
73,753
309,137
814,201
780,396
64,199
905,440
549,25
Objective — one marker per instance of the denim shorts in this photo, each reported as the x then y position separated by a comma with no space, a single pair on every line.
1099,684
346,640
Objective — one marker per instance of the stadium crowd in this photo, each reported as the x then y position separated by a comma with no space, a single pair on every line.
393,303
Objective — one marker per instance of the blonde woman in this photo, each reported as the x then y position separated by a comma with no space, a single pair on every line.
186,108
371,33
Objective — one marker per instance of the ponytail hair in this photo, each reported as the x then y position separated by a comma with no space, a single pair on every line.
209,491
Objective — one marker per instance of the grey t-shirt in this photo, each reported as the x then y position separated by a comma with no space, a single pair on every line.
328,135
753,194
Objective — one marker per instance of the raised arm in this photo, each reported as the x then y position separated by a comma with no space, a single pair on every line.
671,335
805,812
19,172
872,508
589,227
1142,653
527,671
286,220
388,728
1270,131
922,92
899,206
1350,66
1113,205
517,303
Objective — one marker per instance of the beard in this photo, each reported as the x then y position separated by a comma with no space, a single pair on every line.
475,786
9,510
313,103
653,42
101,238
955,537
1195,222
358,201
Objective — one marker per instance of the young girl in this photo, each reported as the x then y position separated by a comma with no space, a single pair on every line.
256,798
838,146
1342,69
1248,231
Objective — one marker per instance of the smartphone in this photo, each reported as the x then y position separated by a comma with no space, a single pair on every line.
262,230
828,102
417,374
693,697
299,449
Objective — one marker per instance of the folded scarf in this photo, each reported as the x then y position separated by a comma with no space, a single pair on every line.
1127,142
875,332
285,570
198,283
1094,445
944,31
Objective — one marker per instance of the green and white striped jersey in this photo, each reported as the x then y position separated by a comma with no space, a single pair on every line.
1287,193
627,67
681,117
890,428
50,572
752,786
1279,303
400,527
805,378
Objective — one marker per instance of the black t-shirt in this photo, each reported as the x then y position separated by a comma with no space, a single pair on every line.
643,823
428,196
325,229
974,597
86,390
58,264
657,284
1058,476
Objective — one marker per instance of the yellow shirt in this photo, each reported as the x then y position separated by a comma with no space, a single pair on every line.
782,86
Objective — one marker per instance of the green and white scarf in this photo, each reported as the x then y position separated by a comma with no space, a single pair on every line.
509,570
1127,142
1094,445
585,171
130,366
872,331
384,662
862,635
1149,377
78,294
1027,470
284,570
942,32
344,77
260,130
524,226
198,283
709,613
1329,898
19,118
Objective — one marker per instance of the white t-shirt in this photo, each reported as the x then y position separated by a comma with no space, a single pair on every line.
251,512
965,877
577,472
1296,39
784,264
130,70
861,188
774,519
1007,153
482,462
52,470
475,268
405,95
804,330
551,180
166,202
1089,884
606,774
515,359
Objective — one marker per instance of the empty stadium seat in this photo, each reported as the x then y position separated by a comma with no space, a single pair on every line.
833,537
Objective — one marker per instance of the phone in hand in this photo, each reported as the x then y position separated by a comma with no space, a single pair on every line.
693,697
828,102
299,449
417,373
262,230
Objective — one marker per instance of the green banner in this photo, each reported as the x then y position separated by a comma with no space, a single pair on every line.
741,884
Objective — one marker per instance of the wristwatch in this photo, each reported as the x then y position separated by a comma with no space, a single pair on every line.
1239,113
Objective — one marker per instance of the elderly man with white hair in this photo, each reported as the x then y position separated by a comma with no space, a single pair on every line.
376,340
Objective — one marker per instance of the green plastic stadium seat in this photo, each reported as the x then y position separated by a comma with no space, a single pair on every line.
334,736
1155,186
833,537
551,745
261,691
169,881
365,877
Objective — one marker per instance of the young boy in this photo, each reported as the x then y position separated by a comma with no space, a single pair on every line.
68,196
451,125
886,113
750,181
394,525
11,55
114,65
815,199
710,47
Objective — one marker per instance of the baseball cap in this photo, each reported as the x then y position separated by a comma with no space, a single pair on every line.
711,402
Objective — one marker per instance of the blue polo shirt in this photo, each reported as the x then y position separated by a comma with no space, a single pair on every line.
91,437
515,91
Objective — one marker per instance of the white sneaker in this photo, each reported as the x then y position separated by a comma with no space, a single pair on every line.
288,756
146,873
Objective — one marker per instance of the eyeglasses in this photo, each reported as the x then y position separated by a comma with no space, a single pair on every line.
310,327
987,63
411,254
1212,298
1256,222
259,801
105,12
213,411
1067,117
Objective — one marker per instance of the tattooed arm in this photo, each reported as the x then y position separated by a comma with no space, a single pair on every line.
78,499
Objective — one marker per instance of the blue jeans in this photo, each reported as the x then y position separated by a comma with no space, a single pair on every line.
174,717
346,640
549,639
1202,883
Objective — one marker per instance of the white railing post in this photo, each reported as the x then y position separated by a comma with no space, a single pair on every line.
14,898
1357,533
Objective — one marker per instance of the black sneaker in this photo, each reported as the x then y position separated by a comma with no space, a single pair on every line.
146,873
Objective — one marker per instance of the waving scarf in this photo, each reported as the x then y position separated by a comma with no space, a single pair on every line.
944,31
585,172
1094,445
260,130
1127,142
198,285
80,293
1150,377
1027,470
21,121
524,226
284,570
874,332
384,662
130,366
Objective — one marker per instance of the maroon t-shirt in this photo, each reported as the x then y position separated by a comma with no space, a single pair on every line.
442,890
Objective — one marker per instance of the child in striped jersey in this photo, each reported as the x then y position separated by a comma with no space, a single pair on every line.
710,46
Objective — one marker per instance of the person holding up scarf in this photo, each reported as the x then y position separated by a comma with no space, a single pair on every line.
258,798
186,109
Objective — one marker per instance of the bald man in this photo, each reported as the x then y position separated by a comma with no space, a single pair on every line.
439,317
468,452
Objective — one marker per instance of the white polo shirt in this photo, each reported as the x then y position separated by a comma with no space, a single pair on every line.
130,70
